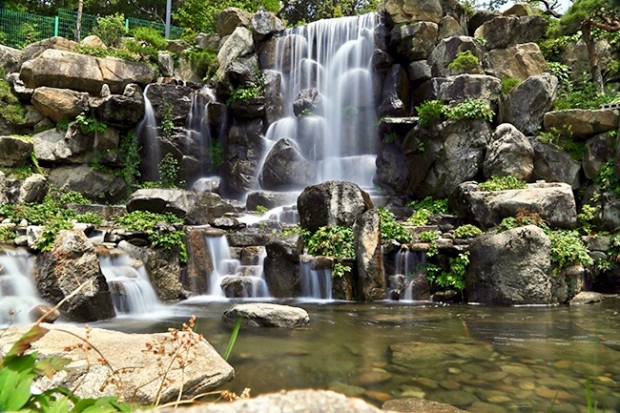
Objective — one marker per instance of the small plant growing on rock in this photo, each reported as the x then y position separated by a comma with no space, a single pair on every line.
391,229
464,62
502,183
89,125
429,236
430,112
260,209
508,84
471,109
425,208
467,231
332,241
454,278
567,250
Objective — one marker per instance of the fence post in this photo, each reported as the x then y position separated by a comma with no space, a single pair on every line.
56,25
127,24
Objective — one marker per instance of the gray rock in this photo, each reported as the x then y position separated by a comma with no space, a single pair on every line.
462,87
554,165
586,297
170,101
59,104
370,282
527,103
554,202
71,264
10,59
406,11
412,405
282,266
583,123
509,153
419,71
95,185
15,151
241,160
307,100
285,168
35,49
165,61
414,41
332,203
265,24
206,371
395,97
449,26
124,110
270,199
505,31
448,49
273,96
495,277
230,19
238,44
520,61
199,261
266,315
33,189
599,150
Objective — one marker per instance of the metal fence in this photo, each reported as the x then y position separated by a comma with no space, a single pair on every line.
17,29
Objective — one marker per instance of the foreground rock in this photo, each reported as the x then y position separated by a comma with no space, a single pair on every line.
409,404
307,401
267,315
140,381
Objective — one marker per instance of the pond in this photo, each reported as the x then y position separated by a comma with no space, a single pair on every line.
485,359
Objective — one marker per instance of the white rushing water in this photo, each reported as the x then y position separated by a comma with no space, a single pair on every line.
315,284
18,294
130,287
408,263
147,132
332,56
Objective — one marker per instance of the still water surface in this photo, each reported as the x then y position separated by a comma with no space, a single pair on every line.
485,359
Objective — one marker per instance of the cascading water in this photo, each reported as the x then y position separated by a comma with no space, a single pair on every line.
148,135
18,294
131,289
229,276
408,263
332,57
315,284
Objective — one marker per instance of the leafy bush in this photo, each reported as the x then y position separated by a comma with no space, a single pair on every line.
454,278
146,42
89,218
130,153
567,250
425,208
467,231
110,29
582,94
562,139
203,62
89,125
508,84
333,241
561,71
10,109
471,109
502,183
146,222
429,236
391,229
464,62
430,112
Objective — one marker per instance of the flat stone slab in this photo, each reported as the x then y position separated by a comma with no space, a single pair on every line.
266,315
586,297
141,378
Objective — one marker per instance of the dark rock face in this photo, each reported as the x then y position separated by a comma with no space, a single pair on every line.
332,203
72,263
307,100
281,266
285,168
495,277
554,165
15,151
243,151
95,185
199,262
527,103
122,111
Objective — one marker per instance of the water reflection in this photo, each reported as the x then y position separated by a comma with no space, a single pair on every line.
477,358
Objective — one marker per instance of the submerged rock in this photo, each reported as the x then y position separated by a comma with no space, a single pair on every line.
266,315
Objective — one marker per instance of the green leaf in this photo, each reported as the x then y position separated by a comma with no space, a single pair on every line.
51,365
25,342
14,389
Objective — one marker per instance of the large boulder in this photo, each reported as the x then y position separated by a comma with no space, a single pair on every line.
396,95
414,41
555,165
59,104
10,59
461,87
171,101
281,266
495,277
519,62
266,315
526,104
242,157
599,150
332,203
285,167
231,18
240,43
582,123
135,355
554,202
67,70
509,153
199,261
16,151
265,24
447,50
35,49
33,189
407,11
124,110
95,185
71,265
505,31
370,281
442,157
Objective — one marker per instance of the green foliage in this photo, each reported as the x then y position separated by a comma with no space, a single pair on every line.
233,338
467,231
567,250
89,125
454,278
332,241
508,84
502,183
582,95
203,62
606,180
167,125
73,197
464,62
430,112
147,222
391,229
10,109
425,208
93,51
586,217
7,233
89,218
168,171
562,139
260,209
215,156
471,109
146,42
247,93
562,72
110,29
130,153
50,231
507,224
429,236
553,47
340,269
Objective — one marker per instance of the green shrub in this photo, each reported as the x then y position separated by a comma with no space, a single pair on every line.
203,62
130,153
562,139
10,109
147,221
50,231
146,42
430,112
507,224
110,29
93,50
454,278
508,84
561,71
567,250
168,171
425,208
89,125
7,234
464,62
467,231
332,241
89,218
429,236
583,94
391,229
502,183
471,109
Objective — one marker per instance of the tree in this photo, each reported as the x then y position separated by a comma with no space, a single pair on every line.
305,11
201,15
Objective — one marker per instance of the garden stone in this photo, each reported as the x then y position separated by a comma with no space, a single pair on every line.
395,99
495,277
266,315
15,151
93,41
414,41
33,189
10,59
70,263
285,168
206,372
392,168
281,266
95,185
199,261
35,49
229,19
526,104
554,165
165,62
479,18
461,87
370,281
332,203
448,27
577,60
509,153
270,199
59,104
121,111
581,123
586,297
265,24
506,31
554,202
241,160
238,44
519,62
599,150
170,101
419,71
407,11
273,96
307,100
448,49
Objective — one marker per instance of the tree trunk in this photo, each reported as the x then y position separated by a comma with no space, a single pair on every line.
78,29
595,69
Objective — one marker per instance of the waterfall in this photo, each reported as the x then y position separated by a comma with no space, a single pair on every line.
333,57
18,293
229,277
199,139
408,263
131,289
148,135
315,284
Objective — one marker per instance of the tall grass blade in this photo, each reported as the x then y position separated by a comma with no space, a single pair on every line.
233,338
